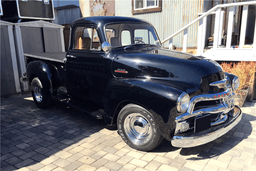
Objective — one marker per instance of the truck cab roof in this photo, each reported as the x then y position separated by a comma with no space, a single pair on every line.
103,20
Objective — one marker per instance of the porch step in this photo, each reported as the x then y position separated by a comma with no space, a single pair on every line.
231,54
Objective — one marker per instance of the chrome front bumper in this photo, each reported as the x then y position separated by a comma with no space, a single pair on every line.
231,116
208,135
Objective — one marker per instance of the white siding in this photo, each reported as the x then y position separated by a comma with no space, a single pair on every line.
175,14
123,8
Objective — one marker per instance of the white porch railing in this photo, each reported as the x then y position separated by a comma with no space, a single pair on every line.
218,28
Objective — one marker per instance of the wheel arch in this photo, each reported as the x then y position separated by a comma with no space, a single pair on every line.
45,72
158,99
121,105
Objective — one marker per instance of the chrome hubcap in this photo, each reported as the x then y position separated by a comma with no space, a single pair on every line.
137,128
38,93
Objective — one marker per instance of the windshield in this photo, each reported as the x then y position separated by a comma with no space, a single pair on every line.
128,34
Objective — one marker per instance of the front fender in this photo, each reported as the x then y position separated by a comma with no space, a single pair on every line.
229,78
159,99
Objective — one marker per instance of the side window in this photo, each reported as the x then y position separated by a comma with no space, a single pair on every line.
126,37
142,33
112,37
95,41
110,33
1,10
151,38
86,39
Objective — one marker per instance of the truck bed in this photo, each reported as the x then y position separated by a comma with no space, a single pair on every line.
53,56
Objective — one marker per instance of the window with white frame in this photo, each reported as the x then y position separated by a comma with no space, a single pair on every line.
145,6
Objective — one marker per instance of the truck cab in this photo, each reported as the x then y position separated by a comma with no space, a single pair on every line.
116,69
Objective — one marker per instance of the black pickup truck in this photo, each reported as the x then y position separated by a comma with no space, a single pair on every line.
116,69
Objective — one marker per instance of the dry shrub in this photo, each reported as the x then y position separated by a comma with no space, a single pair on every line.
244,70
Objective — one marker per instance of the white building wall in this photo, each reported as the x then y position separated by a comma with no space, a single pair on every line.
123,8
85,7
175,14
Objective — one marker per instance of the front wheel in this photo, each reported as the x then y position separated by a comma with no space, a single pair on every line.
137,128
41,98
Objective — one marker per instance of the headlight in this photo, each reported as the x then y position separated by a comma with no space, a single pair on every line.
183,102
235,83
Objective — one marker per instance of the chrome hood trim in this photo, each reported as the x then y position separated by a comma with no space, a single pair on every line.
219,84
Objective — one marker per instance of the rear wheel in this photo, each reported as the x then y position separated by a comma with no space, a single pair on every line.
41,97
137,128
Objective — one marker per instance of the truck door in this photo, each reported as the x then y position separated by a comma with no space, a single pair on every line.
86,65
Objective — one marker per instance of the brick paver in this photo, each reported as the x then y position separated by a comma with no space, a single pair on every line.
62,138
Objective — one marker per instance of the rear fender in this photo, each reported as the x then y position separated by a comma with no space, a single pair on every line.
42,71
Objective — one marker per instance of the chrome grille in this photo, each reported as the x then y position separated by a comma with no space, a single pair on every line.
216,105
207,80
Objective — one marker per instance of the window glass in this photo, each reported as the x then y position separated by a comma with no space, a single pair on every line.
86,39
142,33
139,4
110,33
151,3
1,10
144,4
130,33
46,1
126,37
151,38
95,41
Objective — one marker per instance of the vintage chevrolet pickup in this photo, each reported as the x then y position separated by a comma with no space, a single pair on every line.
115,69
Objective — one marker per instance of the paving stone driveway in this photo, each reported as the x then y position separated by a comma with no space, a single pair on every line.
62,138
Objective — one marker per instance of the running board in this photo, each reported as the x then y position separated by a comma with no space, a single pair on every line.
91,109
61,98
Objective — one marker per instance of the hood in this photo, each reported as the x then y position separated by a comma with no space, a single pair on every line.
166,66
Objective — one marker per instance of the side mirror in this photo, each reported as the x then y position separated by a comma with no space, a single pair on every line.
106,47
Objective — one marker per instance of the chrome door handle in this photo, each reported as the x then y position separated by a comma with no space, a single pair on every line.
71,56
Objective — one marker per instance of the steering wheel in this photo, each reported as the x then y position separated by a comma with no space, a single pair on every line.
139,42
